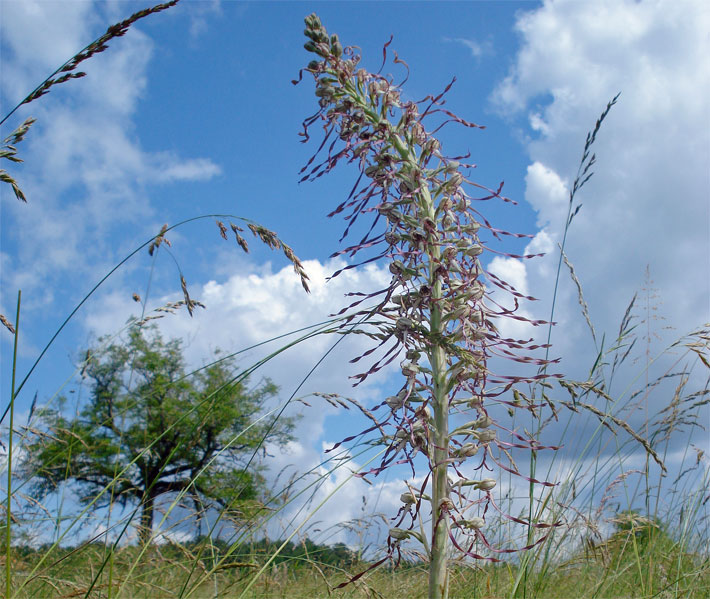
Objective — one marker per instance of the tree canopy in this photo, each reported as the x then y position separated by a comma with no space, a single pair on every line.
149,429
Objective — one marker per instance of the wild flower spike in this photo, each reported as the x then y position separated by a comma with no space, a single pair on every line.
436,304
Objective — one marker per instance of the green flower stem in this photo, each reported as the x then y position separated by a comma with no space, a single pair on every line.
438,572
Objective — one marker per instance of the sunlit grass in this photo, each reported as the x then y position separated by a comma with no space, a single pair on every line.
614,568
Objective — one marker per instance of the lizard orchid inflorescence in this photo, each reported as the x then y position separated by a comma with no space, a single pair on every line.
440,307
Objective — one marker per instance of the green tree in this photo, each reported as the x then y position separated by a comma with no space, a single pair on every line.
150,429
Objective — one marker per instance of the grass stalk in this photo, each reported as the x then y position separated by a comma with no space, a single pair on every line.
147,244
583,175
8,509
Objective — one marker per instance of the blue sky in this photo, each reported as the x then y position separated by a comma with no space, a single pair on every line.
193,112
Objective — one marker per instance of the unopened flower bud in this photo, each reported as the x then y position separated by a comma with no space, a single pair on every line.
474,523
391,238
407,498
482,422
409,369
455,180
486,484
399,534
474,250
336,46
467,450
475,291
396,267
313,21
404,324
475,402
395,402
486,435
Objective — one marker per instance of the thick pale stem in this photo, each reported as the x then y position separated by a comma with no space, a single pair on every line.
439,447
438,573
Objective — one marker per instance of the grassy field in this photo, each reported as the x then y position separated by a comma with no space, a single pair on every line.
643,563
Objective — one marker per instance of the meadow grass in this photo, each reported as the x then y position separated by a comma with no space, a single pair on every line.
594,549
613,569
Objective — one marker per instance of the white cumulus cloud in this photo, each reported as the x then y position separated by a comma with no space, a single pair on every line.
647,203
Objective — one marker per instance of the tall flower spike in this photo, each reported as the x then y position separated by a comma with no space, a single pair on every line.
437,305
